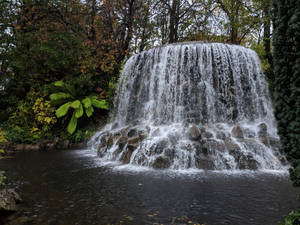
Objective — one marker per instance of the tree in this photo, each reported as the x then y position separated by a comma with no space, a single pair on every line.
242,18
286,42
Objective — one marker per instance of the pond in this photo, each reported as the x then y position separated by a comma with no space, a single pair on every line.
73,187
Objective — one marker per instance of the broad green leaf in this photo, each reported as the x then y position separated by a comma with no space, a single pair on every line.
62,110
72,124
89,111
101,104
60,95
59,102
76,104
79,111
87,102
59,84
71,89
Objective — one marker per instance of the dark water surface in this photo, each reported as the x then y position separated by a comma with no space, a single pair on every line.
70,187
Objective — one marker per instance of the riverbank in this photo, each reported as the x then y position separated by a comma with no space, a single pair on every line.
46,145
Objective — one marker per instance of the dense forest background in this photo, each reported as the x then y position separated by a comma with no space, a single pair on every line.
85,43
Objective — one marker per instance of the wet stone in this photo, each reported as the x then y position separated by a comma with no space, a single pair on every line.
247,162
8,201
207,134
161,162
127,156
110,142
143,135
132,132
169,152
134,140
194,133
275,143
116,136
221,135
213,145
122,142
237,132
204,162
263,129
264,140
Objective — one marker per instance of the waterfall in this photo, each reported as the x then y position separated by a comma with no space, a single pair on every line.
192,105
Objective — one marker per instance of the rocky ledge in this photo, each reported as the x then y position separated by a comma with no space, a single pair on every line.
9,208
235,147
11,148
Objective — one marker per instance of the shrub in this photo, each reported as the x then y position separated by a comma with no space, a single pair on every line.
293,218
67,98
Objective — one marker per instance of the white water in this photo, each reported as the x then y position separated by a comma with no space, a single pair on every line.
164,92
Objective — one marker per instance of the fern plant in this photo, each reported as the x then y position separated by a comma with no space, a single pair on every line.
67,99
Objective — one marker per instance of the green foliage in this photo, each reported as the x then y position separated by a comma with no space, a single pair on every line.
286,44
33,119
293,218
2,137
2,173
81,135
260,50
69,99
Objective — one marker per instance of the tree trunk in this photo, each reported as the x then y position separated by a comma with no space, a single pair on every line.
172,27
267,31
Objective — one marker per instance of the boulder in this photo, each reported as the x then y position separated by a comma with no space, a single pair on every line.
233,149
124,131
207,134
20,147
264,140
122,142
262,130
275,143
231,146
237,132
194,133
132,132
204,162
103,142
200,148
8,201
110,142
127,156
143,135
247,162
161,162
116,136
79,145
134,140
63,144
133,143
158,147
31,148
49,146
213,145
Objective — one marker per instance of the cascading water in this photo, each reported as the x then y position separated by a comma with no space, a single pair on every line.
192,105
